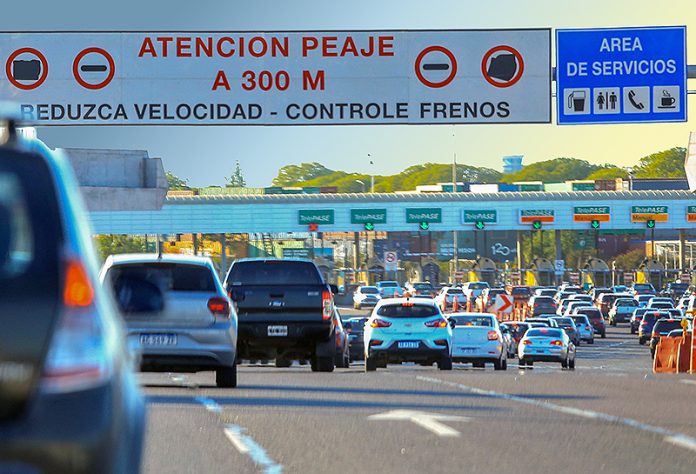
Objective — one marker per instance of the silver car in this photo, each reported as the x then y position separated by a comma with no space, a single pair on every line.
546,345
584,327
366,296
197,328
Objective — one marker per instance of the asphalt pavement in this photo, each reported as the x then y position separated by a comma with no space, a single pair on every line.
610,415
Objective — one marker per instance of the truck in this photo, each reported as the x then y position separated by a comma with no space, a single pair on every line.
285,311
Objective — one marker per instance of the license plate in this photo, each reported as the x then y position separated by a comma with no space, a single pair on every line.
467,349
278,331
158,339
408,345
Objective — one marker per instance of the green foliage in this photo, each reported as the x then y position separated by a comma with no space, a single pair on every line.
609,172
553,171
630,260
407,180
663,164
175,182
290,175
237,179
115,244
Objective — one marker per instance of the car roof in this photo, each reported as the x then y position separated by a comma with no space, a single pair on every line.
121,259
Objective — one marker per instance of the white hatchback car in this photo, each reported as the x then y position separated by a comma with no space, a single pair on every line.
546,345
407,330
476,338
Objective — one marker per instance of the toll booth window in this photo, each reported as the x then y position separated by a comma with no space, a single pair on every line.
16,236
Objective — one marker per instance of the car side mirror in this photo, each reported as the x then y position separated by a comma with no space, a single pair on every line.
452,323
138,295
334,289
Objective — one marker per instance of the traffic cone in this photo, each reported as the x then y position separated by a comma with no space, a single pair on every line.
455,304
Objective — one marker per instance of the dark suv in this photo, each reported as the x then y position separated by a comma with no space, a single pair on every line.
596,320
69,399
662,328
647,323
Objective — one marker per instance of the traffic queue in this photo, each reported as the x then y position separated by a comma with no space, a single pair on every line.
547,323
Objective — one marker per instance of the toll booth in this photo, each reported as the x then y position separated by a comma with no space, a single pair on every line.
596,273
541,272
430,271
652,271
464,274
375,270
484,269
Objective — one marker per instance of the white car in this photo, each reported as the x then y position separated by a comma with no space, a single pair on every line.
474,289
445,298
476,338
407,330
366,296
546,345
575,304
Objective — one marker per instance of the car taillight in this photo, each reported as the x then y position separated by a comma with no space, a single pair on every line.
436,323
556,343
77,356
220,307
78,291
376,342
326,305
654,334
526,342
492,336
440,342
380,323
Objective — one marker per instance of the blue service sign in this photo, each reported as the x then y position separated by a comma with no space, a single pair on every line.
622,75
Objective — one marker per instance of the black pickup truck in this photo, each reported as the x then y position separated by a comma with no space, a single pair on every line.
285,311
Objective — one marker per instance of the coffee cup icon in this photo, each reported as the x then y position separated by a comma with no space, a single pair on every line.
576,101
667,101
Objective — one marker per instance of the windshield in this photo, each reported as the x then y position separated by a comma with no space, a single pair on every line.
478,286
167,276
541,332
369,290
455,291
486,321
407,310
387,284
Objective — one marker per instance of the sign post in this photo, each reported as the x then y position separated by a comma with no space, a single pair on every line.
622,75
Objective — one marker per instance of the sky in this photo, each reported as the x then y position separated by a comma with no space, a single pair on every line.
203,155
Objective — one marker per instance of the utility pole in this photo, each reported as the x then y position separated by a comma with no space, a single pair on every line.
372,174
455,241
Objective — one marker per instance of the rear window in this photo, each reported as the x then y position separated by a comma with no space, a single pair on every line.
668,325
580,320
485,321
273,272
478,286
519,328
407,311
423,286
369,290
168,276
544,300
543,332
564,322
591,313
626,302
520,291
387,284
455,291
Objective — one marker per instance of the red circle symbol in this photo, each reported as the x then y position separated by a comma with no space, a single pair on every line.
450,76
10,74
500,82
313,227
111,69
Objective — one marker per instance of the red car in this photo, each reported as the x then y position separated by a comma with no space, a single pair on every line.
596,319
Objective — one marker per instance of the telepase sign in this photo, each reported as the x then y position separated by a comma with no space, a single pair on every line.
279,78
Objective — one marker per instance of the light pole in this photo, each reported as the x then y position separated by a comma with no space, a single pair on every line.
361,183
629,170
372,174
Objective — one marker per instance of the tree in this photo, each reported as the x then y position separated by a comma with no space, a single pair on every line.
115,244
291,175
237,179
557,170
663,164
630,260
609,172
175,182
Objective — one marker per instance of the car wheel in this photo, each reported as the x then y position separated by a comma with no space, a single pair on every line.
530,363
612,322
282,362
504,364
564,363
445,363
226,377
571,364
591,341
604,335
498,364
322,364
370,364
633,330
641,341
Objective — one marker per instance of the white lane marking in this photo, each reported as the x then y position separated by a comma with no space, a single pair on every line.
672,437
209,404
429,421
246,445
690,382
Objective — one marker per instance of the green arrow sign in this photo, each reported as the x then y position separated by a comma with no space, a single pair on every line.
424,226
480,225
536,225
650,223
595,224
369,226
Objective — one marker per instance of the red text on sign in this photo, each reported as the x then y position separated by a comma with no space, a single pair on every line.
333,46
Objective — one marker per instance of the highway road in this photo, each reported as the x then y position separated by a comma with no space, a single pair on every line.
610,415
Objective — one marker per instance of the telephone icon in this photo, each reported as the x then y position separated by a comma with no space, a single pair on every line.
632,98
